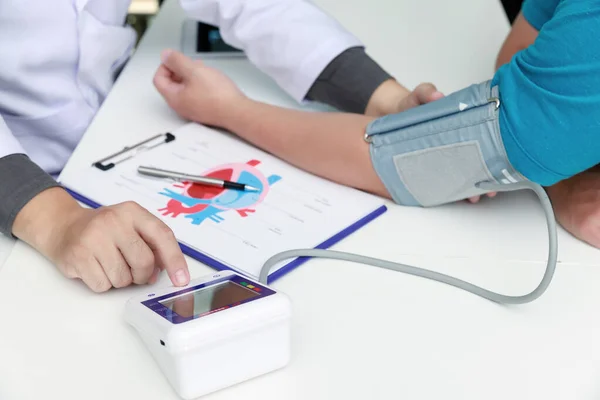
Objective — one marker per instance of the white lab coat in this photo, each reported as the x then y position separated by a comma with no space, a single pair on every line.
59,57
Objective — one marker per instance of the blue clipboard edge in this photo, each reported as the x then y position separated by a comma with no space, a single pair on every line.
203,258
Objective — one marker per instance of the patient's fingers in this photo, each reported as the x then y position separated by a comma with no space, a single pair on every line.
166,82
475,199
178,63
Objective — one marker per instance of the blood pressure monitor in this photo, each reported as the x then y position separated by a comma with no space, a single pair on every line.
215,332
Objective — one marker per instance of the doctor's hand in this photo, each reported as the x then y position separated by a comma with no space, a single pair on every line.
196,92
109,247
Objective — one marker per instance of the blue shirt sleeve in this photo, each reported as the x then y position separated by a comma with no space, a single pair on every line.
538,12
550,96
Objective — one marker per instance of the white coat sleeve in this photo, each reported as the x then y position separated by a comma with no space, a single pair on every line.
8,143
292,41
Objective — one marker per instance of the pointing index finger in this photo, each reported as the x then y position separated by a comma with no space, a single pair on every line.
162,242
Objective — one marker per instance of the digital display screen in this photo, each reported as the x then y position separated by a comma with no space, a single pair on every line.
210,40
208,299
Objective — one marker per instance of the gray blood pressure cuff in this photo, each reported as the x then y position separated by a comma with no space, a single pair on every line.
437,153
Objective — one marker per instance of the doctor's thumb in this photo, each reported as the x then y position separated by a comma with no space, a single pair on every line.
177,63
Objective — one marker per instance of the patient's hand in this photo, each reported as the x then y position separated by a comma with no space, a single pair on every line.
195,91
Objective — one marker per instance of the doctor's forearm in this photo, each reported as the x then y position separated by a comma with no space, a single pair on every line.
22,180
354,82
41,222
330,145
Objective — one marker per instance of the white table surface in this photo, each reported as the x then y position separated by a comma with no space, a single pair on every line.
359,332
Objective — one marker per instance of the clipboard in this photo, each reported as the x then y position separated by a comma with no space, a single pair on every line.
111,161
129,152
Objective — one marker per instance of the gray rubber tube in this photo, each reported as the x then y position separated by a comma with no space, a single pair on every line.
436,276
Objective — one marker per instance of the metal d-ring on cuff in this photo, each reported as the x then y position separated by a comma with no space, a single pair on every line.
495,100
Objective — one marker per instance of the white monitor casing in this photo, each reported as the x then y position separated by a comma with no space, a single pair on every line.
220,349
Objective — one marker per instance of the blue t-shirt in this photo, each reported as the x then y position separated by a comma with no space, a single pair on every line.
550,92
